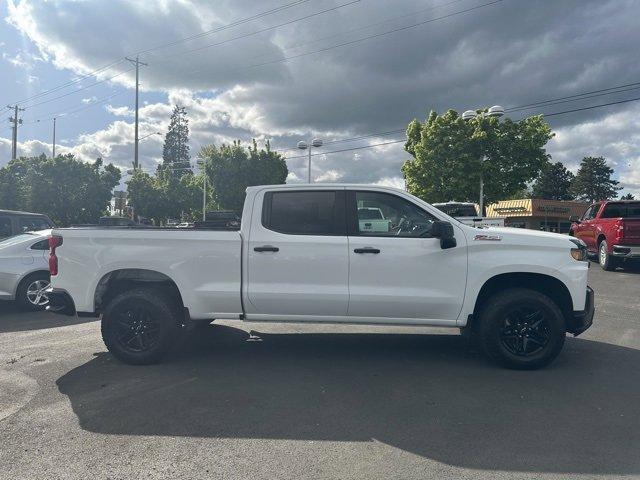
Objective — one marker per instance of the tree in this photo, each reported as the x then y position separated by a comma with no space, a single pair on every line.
233,168
68,190
164,196
593,181
448,156
628,196
554,183
175,152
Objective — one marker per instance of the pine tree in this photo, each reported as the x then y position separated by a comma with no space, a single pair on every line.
628,196
175,153
593,181
554,183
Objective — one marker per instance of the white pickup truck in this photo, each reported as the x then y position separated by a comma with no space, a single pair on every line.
300,256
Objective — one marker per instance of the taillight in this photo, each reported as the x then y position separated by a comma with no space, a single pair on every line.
54,242
619,230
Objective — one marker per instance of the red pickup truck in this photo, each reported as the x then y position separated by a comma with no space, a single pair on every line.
611,229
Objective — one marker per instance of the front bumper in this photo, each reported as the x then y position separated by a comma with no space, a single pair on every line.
60,302
582,319
626,251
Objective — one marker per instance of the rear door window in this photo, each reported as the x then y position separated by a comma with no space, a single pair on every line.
621,210
317,212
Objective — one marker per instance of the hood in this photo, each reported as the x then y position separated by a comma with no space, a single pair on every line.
522,236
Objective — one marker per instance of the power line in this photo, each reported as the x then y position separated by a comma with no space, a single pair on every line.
60,114
185,39
352,42
225,27
348,149
71,82
576,95
404,140
80,89
256,32
377,35
591,107
365,27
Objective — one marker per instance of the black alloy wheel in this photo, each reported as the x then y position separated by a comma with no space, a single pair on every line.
525,331
136,329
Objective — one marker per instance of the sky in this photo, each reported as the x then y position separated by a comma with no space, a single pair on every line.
289,70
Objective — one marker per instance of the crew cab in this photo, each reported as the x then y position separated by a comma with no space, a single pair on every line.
611,230
303,254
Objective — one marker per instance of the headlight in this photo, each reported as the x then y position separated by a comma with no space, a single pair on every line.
580,251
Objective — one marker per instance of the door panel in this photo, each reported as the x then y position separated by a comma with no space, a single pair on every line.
308,274
586,230
409,278
397,270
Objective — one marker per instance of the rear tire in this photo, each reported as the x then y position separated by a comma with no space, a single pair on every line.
607,262
140,326
521,329
30,295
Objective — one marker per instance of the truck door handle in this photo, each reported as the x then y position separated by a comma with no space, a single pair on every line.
266,248
367,250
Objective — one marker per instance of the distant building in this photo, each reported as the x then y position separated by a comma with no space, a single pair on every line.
537,213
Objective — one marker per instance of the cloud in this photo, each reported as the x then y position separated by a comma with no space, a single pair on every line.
16,60
615,136
510,53
119,111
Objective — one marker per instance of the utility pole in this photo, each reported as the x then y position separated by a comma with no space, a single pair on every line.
137,63
14,137
53,155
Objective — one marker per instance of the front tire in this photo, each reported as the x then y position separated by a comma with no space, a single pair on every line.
607,261
521,329
140,326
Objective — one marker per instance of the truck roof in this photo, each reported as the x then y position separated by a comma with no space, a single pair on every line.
18,212
321,186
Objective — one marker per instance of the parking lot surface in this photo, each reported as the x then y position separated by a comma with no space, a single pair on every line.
292,401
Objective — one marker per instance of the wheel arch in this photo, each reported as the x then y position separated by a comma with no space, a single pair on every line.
121,280
26,276
548,285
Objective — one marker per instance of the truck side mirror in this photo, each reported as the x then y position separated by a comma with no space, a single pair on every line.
443,231
574,219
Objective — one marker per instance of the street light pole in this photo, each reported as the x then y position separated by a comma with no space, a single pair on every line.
53,154
302,145
201,163
495,111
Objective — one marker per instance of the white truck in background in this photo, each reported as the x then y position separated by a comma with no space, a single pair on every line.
467,213
304,254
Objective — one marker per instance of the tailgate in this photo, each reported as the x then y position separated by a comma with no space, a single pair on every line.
631,231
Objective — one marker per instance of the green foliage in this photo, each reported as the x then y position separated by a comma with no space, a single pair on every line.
593,181
554,183
175,152
448,151
165,196
68,190
233,168
628,196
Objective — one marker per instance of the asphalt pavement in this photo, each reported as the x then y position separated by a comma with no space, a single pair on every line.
298,402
